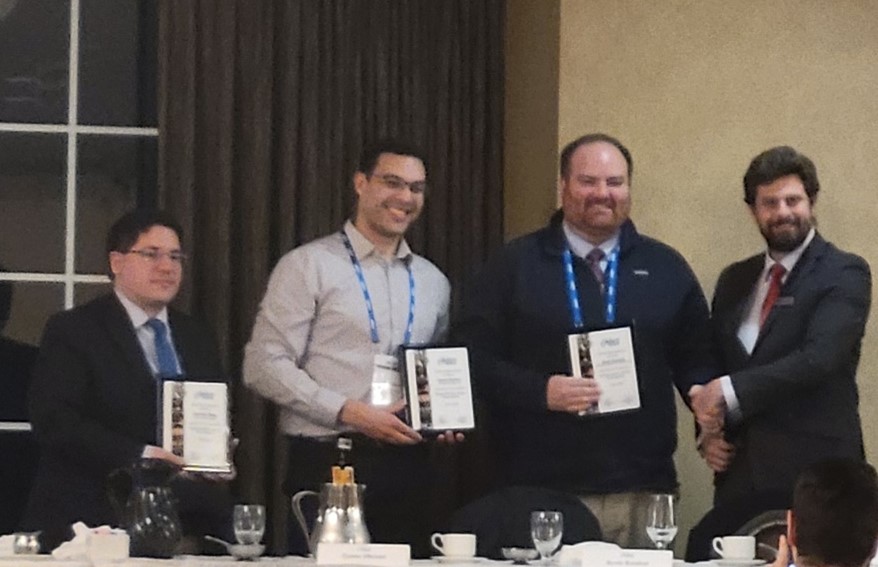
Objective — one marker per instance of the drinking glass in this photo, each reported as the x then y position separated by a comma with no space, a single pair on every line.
661,524
546,528
249,523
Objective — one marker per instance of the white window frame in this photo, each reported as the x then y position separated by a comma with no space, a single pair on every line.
72,129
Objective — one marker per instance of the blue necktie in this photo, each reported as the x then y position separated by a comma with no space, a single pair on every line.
167,360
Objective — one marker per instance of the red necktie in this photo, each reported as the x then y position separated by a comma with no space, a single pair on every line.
776,274
593,259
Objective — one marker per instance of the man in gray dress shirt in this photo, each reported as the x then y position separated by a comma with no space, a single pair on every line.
335,312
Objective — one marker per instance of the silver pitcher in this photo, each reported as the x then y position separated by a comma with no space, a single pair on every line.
340,517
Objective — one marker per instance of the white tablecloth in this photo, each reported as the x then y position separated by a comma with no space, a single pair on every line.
224,561
203,561
182,561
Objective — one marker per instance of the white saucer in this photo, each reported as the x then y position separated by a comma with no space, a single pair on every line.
739,562
453,559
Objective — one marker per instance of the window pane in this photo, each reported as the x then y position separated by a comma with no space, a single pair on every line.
115,174
83,293
31,305
117,62
32,201
34,45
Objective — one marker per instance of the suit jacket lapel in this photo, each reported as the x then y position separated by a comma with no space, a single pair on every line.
749,276
739,302
124,336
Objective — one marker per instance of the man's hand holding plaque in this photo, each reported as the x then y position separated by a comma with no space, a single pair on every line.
572,394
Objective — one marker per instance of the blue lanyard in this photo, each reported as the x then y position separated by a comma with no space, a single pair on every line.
373,324
612,274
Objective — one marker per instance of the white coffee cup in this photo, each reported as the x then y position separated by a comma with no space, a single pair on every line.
739,548
454,545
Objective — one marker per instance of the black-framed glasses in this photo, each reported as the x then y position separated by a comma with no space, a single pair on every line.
398,183
153,255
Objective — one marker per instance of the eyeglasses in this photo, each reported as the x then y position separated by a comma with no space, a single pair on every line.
152,255
398,184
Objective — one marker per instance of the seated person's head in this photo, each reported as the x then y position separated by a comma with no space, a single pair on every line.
834,519
145,258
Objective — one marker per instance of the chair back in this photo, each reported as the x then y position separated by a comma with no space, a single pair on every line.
767,528
502,518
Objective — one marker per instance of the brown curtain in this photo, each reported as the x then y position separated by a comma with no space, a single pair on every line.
264,107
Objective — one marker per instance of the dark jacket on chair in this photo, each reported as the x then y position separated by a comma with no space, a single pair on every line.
502,518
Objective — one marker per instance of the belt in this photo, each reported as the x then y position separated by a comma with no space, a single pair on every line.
358,440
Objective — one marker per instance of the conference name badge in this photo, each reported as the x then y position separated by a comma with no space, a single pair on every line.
386,382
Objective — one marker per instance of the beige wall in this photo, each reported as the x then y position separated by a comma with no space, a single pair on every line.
696,89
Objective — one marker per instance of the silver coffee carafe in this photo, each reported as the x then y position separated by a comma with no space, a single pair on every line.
340,517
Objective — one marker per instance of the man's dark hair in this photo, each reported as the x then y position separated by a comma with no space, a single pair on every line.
570,149
779,162
835,508
125,231
372,151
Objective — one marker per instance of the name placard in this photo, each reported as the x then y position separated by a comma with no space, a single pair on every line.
371,554
195,424
613,556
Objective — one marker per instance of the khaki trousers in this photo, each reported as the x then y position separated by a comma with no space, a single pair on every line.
622,517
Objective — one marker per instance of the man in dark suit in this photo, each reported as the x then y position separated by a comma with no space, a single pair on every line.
93,400
788,325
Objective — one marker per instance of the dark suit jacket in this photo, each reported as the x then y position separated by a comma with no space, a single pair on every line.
93,406
797,390
17,448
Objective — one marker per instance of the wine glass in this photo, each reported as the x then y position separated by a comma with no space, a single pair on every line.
249,523
546,528
661,524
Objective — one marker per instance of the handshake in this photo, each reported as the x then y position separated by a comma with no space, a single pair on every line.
709,406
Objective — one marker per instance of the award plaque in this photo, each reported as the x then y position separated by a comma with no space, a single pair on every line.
607,356
195,424
437,388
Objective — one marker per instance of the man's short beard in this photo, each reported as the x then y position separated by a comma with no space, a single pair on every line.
787,242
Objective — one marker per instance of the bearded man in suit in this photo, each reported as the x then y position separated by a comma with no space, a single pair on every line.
788,325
